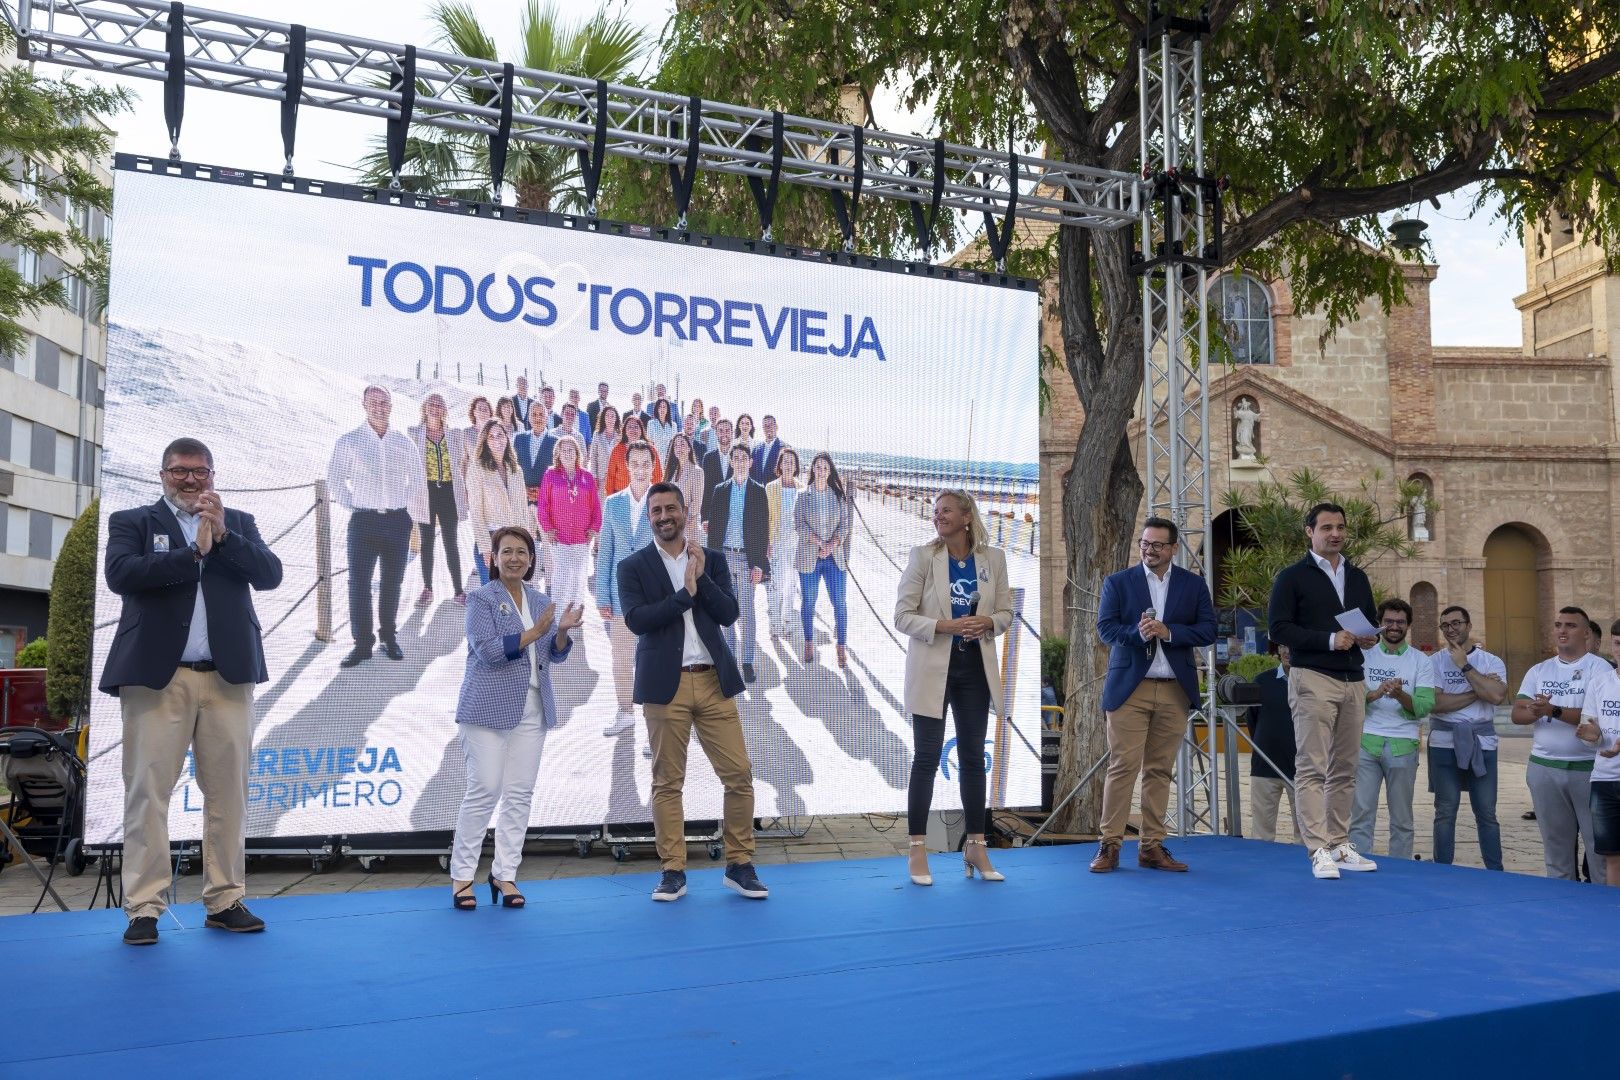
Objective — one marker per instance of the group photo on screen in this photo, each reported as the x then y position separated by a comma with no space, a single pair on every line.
382,427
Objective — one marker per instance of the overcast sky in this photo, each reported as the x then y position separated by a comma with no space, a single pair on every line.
1481,269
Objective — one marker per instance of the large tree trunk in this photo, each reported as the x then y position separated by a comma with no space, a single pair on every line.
1103,490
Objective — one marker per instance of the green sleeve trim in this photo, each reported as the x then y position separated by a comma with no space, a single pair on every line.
1422,702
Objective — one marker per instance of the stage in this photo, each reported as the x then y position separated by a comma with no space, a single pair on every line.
1245,966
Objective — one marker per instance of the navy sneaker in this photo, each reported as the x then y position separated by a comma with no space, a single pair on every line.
237,919
142,930
672,886
742,878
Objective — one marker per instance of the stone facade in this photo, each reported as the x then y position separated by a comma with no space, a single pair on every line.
1518,443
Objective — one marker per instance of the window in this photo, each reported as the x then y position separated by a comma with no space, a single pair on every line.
67,373
28,265
42,449
65,456
73,285
24,178
16,530
47,361
22,438
39,534
59,531
1243,307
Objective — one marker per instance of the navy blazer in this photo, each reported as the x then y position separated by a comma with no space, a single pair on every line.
151,566
534,454
1188,614
653,610
756,526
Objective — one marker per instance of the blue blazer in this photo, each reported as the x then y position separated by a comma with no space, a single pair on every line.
496,683
653,611
151,566
533,454
766,456
620,537
1188,614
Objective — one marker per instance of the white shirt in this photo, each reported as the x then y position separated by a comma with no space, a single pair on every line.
1565,685
693,651
1602,707
197,637
1449,679
374,472
638,508
528,618
1337,577
1385,716
1159,594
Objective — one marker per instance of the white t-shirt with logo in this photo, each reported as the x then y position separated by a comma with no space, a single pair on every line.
1565,685
1449,679
1602,706
1385,716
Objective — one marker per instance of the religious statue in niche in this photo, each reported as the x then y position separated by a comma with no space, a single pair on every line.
1420,517
1246,429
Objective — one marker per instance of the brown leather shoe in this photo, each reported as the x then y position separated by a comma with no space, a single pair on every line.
1156,857
1107,857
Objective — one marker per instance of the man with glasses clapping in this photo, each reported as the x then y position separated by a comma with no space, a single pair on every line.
182,665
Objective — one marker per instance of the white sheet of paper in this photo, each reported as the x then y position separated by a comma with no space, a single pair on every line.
1356,622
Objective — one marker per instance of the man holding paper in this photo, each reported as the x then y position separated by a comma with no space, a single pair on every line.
1322,609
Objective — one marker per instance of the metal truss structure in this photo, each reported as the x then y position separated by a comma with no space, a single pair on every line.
299,66
1172,202
1180,248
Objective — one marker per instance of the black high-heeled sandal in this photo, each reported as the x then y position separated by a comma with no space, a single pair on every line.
507,899
462,899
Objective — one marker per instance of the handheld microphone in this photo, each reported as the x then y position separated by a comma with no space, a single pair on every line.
973,609
1152,643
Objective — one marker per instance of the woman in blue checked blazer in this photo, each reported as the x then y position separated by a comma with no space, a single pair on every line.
505,707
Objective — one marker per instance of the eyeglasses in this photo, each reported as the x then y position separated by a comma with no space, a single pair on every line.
1155,545
180,472
1454,624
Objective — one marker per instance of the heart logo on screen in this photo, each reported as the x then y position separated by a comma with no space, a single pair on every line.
565,294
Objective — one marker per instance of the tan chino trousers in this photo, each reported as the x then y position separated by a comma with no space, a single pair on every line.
1328,715
699,703
1143,737
202,712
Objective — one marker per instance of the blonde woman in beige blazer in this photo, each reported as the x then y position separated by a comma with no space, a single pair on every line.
951,662
496,495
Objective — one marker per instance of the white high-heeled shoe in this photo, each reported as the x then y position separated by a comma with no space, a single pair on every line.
919,879
968,867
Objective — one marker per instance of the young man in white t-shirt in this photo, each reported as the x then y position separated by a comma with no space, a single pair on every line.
1469,683
1560,771
1400,693
1600,727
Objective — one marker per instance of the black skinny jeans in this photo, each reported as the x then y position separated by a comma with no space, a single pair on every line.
441,513
967,697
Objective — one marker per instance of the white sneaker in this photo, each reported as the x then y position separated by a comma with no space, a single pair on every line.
1348,858
621,723
1322,864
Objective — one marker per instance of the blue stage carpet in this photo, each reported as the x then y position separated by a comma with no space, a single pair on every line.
1244,967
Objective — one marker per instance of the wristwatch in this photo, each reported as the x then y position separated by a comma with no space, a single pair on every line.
1557,712
1466,668
196,552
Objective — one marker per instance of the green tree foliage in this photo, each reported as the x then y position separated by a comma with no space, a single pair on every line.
1272,519
51,128
1323,114
34,654
457,164
72,616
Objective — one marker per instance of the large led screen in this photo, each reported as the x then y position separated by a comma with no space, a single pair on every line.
256,319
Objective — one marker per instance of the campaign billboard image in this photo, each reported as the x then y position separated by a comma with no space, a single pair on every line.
355,369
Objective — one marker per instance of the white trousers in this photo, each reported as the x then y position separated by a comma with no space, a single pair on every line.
784,586
501,767
567,580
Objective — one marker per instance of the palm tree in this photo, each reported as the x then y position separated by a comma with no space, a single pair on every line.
456,163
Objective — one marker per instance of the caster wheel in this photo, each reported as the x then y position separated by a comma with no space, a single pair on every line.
619,852
584,848
319,865
74,858
715,851
186,868
370,864
444,863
